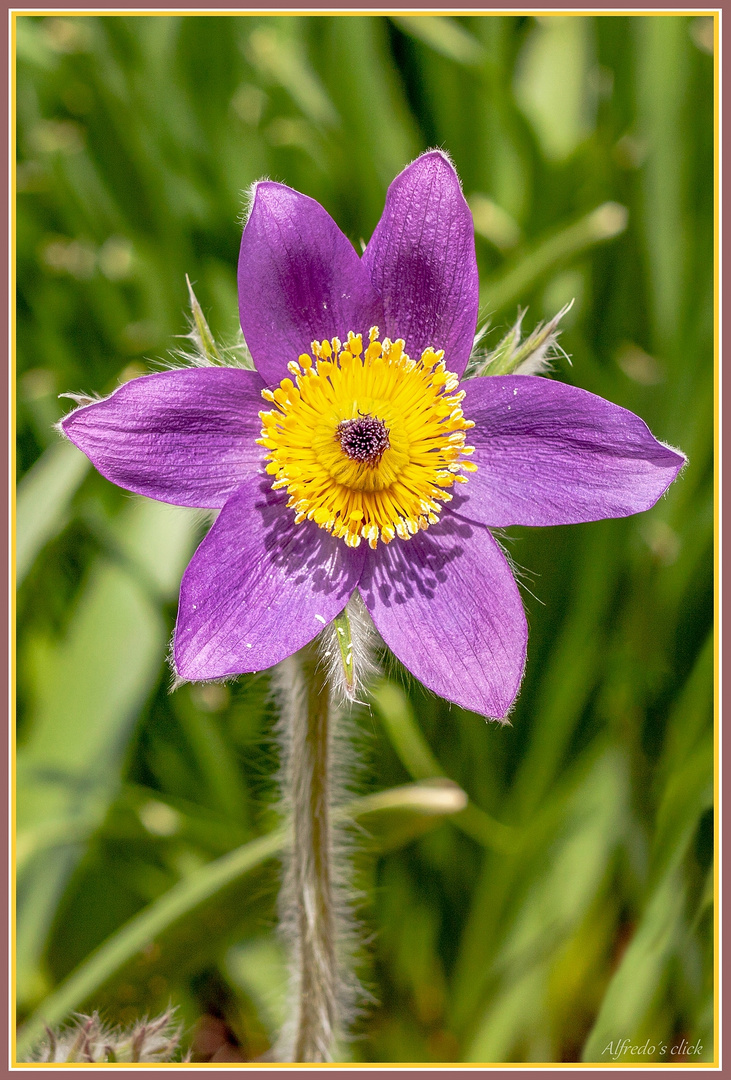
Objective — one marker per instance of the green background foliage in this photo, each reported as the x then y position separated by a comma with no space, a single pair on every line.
570,905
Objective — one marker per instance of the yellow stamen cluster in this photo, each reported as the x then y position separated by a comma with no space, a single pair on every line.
333,480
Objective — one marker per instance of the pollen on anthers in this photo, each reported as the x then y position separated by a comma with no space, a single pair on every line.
367,442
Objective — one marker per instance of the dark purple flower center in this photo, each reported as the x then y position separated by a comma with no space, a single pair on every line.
364,439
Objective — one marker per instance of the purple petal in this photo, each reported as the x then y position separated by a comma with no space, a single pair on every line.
259,587
550,454
421,259
445,602
186,437
300,280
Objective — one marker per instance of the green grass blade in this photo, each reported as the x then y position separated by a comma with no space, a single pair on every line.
638,977
548,900
398,718
444,35
88,691
135,934
282,58
662,48
44,495
517,281
424,804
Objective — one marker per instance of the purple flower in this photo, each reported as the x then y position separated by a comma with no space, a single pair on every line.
354,471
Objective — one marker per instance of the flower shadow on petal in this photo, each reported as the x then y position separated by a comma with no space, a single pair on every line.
259,587
403,579
446,603
306,553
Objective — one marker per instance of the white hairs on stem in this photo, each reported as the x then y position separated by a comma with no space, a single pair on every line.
318,763
347,647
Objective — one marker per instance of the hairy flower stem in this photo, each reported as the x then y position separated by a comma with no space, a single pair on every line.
312,869
308,897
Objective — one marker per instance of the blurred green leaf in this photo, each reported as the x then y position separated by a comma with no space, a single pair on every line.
517,280
687,764
386,811
378,120
563,885
663,49
116,951
398,719
566,683
636,982
553,82
444,35
283,59
493,222
390,819
43,499
260,968
88,690
217,764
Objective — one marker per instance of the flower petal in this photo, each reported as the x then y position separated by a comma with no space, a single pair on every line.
551,454
300,280
186,437
445,602
421,259
259,587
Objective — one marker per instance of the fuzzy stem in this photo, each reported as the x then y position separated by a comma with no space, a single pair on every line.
308,889
311,861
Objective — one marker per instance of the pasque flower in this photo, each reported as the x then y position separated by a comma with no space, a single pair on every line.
354,458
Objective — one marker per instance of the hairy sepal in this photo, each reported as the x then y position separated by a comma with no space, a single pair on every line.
517,356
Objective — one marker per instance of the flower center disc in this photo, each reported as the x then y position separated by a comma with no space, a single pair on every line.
367,442
364,439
